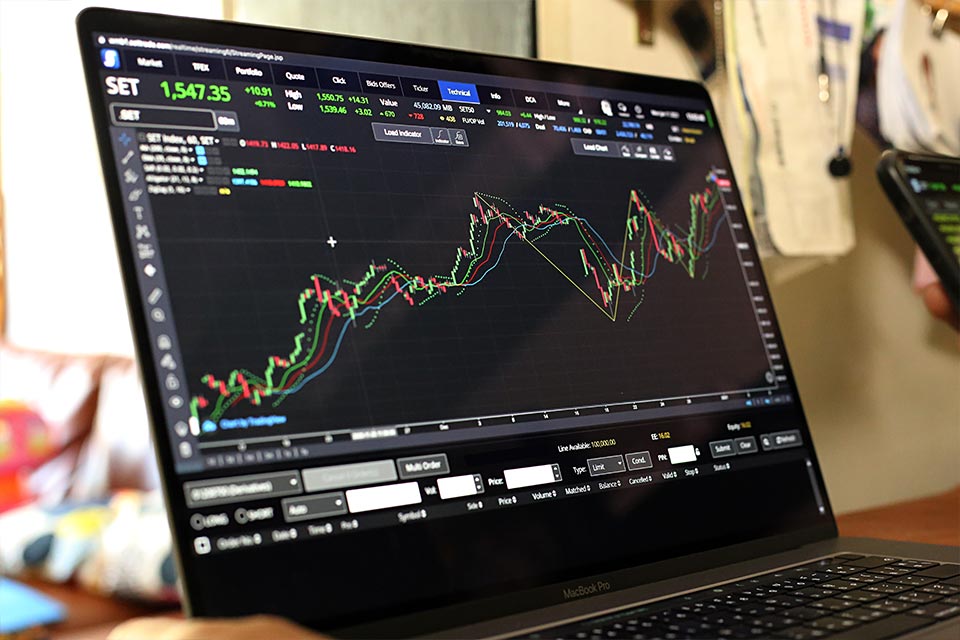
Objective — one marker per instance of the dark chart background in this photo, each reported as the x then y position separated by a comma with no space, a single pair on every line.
523,339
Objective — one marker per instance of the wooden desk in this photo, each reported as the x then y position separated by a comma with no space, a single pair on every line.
935,520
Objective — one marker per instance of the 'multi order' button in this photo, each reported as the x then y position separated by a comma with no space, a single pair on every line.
434,464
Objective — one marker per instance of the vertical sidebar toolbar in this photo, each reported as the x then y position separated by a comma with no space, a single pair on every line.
164,346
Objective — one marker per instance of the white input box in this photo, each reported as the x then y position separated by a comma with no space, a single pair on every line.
459,486
383,497
532,476
682,455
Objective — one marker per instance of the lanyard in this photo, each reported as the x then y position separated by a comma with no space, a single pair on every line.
840,164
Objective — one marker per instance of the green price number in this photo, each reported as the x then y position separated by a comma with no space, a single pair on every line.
359,99
195,91
259,91
363,111
330,97
333,109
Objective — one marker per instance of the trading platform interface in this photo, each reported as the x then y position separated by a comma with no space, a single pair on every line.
937,188
379,296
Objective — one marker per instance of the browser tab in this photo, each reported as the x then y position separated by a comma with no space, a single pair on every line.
294,76
249,71
375,83
200,67
333,80
495,95
558,102
531,99
417,88
458,92
148,61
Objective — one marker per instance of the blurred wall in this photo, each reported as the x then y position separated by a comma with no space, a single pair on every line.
880,378
495,26
63,286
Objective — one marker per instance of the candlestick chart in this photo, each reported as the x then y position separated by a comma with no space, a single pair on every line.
610,276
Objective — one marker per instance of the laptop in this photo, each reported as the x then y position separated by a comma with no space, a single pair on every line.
456,345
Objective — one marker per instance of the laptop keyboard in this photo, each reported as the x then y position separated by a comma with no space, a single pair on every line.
843,596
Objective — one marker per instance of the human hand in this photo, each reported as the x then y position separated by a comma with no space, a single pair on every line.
249,628
928,285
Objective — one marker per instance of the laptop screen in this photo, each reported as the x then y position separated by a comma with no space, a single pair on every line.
422,327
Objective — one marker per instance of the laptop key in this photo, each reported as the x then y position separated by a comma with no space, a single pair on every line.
862,614
890,606
940,571
884,628
870,562
806,613
754,610
832,623
913,581
843,569
816,592
915,564
776,621
860,595
801,633
886,587
833,604
891,571
840,585
936,610
786,601
917,597
821,576
943,589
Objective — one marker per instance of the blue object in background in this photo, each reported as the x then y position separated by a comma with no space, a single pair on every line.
23,608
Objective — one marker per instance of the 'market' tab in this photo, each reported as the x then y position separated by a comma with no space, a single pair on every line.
148,61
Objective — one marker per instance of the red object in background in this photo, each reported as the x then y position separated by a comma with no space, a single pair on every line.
25,444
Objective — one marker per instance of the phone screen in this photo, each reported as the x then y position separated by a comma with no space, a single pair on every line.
935,185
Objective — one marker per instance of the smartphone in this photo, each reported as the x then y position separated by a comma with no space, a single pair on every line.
925,190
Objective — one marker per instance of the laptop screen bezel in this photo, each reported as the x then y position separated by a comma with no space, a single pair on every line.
93,21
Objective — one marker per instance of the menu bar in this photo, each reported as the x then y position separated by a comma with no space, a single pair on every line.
256,72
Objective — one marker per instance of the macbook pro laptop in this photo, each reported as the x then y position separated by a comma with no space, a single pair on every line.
458,345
